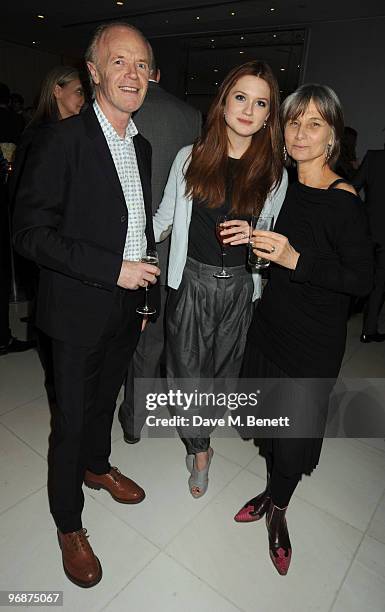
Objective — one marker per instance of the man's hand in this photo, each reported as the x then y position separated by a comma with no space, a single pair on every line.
135,274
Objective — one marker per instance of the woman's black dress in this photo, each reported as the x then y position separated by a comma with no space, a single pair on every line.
299,328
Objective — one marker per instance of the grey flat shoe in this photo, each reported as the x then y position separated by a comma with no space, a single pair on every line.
190,462
199,478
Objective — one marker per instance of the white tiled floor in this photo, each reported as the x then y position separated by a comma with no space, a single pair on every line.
173,553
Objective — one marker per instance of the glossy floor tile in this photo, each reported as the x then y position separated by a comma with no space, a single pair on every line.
236,560
21,379
166,585
31,423
348,482
234,449
31,559
173,553
376,527
364,586
158,465
22,470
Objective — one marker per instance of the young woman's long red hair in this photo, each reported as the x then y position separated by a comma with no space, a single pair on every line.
260,167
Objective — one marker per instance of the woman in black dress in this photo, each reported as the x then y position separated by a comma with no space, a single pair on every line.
321,255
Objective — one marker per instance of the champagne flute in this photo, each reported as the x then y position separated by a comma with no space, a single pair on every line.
218,228
261,222
150,256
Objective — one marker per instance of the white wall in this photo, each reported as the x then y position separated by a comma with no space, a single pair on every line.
23,68
350,57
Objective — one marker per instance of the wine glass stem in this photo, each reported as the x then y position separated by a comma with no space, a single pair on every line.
223,259
145,296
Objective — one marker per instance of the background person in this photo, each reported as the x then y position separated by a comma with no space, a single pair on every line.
16,103
370,177
321,253
168,124
347,164
61,96
8,343
11,124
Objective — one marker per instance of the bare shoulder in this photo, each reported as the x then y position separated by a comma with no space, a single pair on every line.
338,182
346,187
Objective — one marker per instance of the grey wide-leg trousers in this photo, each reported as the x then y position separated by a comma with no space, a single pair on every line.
207,320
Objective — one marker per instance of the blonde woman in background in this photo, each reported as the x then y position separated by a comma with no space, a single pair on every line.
61,96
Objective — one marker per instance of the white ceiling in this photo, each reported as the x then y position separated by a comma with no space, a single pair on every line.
68,23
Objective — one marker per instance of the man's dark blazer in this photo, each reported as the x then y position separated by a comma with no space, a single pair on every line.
371,177
71,219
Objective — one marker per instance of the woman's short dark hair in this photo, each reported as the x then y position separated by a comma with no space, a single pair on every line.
328,106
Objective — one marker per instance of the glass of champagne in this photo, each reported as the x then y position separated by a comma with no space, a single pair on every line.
218,228
149,256
260,222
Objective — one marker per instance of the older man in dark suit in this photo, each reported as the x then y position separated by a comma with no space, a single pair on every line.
83,214
168,124
370,176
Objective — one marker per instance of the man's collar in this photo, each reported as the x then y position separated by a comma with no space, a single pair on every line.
109,129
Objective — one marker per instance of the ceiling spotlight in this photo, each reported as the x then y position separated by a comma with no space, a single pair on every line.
215,69
119,2
213,40
232,13
274,36
241,52
272,9
282,69
216,83
242,38
41,17
299,66
34,42
197,18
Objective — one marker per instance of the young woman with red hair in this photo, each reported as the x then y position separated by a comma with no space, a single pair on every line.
236,169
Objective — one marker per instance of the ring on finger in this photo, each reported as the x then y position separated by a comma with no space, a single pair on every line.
272,250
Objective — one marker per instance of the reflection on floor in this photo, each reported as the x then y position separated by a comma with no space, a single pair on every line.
173,553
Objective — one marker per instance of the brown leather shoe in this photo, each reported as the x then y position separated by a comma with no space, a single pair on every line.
80,564
122,489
